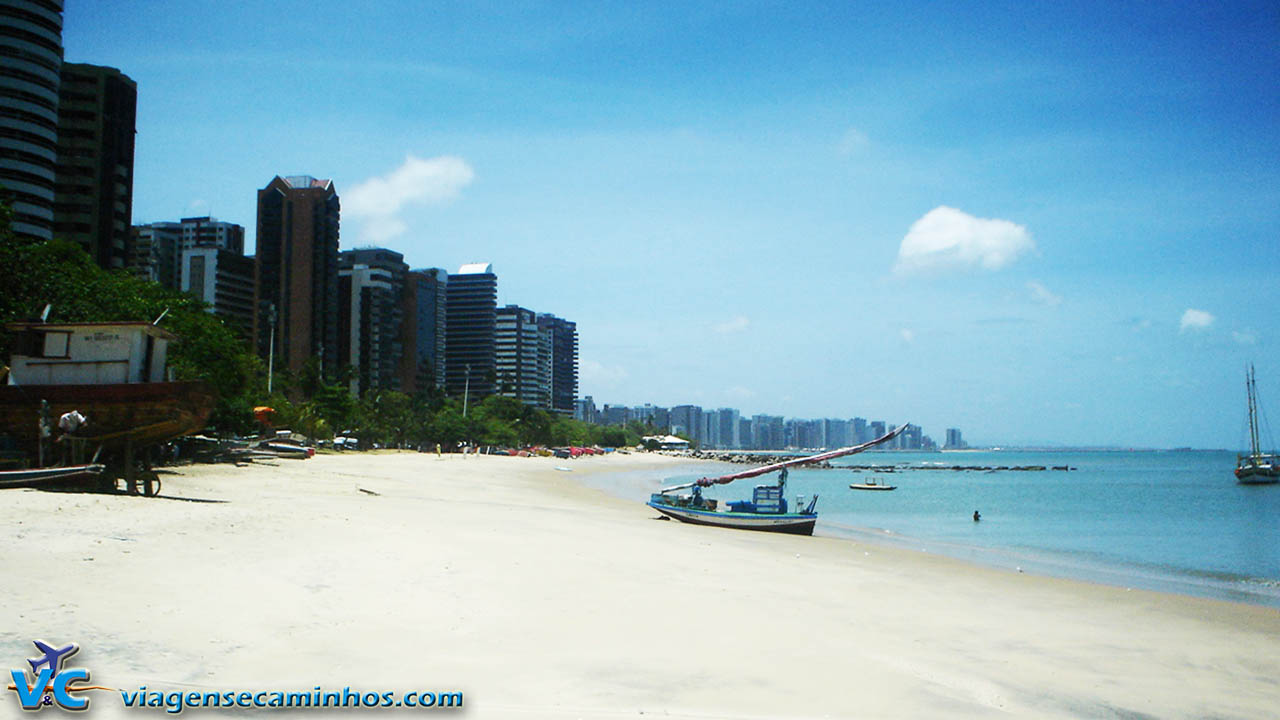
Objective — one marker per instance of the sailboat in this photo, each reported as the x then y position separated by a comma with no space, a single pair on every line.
1256,468
767,508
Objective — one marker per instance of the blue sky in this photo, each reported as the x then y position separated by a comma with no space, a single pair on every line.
1037,223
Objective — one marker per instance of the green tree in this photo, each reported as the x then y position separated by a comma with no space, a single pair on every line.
392,417
612,436
62,275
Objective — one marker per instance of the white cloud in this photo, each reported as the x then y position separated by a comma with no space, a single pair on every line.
377,202
950,239
733,325
739,393
907,336
1043,295
852,141
600,375
1244,338
1194,319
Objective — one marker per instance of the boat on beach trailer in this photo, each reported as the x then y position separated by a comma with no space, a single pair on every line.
108,382
767,509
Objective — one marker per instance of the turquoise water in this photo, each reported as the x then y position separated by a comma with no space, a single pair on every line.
1173,521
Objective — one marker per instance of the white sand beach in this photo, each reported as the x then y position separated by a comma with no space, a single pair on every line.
540,598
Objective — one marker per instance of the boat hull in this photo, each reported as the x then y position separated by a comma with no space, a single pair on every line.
790,523
1258,474
865,486
140,413
53,475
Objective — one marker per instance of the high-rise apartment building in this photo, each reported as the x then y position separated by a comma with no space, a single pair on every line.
585,410
838,433
615,414
426,295
297,282
93,186
710,433
686,421
912,438
372,327
209,231
954,439
158,249
224,280
30,74
877,429
561,338
520,359
156,253
745,441
470,323
645,413
807,434
860,432
727,428
768,432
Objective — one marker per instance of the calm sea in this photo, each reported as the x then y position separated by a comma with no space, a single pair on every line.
1175,521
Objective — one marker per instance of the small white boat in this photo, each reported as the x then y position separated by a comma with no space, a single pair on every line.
871,485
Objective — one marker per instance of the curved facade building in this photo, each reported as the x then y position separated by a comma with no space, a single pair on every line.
30,67
93,179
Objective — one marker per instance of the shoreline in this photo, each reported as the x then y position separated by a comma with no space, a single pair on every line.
1063,564
1076,567
540,596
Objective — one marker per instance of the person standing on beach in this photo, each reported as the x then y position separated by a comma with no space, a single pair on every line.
70,425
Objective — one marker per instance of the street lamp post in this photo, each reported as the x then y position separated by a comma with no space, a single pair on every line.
271,351
466,391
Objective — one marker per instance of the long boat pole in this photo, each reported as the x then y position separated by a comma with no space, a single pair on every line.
774,467
1253,412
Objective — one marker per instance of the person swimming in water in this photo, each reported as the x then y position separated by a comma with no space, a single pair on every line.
976,516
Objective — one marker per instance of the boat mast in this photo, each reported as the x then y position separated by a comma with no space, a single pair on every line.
1252,383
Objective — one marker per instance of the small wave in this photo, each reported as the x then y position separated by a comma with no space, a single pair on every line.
1267,583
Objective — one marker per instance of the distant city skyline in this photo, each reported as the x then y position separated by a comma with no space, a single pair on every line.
1028,222
726,428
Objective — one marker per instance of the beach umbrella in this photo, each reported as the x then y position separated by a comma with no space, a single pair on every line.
262,413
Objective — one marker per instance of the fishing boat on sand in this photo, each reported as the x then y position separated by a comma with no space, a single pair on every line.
1256,468
767,509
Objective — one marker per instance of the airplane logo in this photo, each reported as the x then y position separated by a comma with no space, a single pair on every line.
52,683
52,657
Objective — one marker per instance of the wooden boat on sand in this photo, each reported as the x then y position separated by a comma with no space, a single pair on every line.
141,413
96,392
